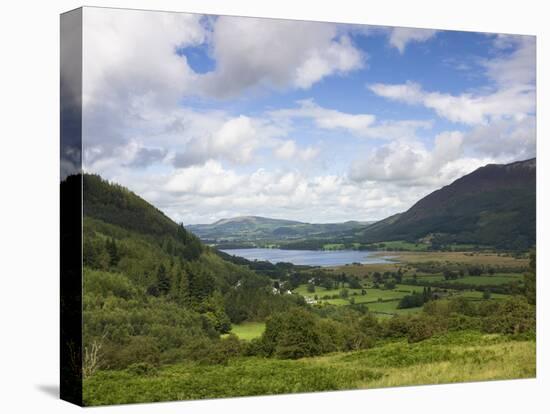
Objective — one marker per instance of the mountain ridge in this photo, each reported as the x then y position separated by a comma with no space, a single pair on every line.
258,228
493,205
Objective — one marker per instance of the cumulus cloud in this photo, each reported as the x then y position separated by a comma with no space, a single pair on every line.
452,155
277,54
236,140
130,65
130,55
400,37
408,161
504,139
207,192
135,75
208,180
288,150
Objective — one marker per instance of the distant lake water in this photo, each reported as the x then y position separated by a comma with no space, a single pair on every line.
310,257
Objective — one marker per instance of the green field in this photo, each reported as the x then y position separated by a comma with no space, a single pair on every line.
248,330
402,245
390,308
455,357
485,280
384,302
475,295
373,294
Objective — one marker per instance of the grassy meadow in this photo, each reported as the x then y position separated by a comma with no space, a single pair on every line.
454,357
248,330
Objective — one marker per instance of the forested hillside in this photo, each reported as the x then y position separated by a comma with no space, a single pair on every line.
152,291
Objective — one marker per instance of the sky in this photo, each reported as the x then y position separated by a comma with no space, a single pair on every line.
211,117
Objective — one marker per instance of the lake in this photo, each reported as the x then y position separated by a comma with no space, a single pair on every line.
310,257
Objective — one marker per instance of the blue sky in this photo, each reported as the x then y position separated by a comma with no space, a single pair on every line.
214,117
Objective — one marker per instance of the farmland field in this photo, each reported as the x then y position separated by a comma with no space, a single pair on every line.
384,302
494,259
454,357
496,279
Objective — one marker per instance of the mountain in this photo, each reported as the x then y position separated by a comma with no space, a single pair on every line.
255,229
494,206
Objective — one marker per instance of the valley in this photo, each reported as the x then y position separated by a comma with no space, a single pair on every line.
163,304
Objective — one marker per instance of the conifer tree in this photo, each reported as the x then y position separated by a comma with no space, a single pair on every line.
163,280
111,247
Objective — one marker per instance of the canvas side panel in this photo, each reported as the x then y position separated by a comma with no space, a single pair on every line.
71,207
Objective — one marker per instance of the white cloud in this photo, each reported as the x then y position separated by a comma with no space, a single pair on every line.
253,52
129,67
516,68
514,102
363,125
129,55
409,161
205,193
507,140
236,139
399,37
288,150
207,180
513,95
134,82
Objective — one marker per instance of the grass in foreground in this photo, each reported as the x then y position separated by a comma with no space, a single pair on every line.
455,357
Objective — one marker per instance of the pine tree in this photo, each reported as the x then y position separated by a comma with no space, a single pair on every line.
163,280
111,247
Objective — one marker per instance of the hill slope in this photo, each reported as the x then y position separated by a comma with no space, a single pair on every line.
253,228
495,205
152,291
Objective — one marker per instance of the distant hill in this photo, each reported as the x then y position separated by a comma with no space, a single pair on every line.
495,206
254,228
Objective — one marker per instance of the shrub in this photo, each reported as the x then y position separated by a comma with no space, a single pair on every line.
395,327
458,322
331,336
411,301
419,331
292,335
137,349
515,316
142,369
